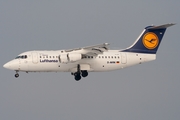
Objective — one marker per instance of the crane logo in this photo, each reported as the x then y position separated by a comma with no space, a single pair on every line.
150,40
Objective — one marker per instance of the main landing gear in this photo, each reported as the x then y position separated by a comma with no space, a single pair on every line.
79,73
16,75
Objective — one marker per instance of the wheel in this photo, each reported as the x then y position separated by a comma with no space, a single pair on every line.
84,73
16,75
77,76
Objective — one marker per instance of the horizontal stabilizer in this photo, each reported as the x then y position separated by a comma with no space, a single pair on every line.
160,26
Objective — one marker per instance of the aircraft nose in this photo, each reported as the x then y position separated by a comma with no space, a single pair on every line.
7,65
12,65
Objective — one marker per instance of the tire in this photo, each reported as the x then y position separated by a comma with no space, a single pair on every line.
84,73
77,77
16,75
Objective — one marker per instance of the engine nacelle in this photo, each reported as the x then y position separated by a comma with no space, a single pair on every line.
73,57
63,58
69,57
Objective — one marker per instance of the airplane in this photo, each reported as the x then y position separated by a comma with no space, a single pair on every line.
97,58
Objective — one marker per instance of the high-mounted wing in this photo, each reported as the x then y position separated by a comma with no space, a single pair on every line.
91,50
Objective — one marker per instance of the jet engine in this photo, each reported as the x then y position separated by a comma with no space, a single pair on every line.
69,57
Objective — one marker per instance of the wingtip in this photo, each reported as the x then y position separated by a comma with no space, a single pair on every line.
106,43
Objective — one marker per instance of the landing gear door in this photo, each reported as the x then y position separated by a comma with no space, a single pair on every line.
123,58
82,67
34,57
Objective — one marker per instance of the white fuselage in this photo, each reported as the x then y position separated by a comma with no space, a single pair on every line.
48,61
96,58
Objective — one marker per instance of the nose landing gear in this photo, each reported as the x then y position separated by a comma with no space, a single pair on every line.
16,75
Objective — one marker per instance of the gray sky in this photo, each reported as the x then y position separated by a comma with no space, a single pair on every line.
144,92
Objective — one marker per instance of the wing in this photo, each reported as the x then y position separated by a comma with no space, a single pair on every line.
91,50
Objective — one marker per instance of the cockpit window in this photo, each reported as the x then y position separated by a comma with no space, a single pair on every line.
17,57
21,57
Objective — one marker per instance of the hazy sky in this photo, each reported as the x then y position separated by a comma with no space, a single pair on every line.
144,92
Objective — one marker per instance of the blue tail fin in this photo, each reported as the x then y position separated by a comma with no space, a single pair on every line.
149,40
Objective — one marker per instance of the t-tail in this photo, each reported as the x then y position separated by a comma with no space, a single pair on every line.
149,40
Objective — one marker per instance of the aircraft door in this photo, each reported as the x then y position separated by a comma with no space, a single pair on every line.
34,57
123,58
19,67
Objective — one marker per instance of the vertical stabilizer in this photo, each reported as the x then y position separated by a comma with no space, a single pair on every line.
149,40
